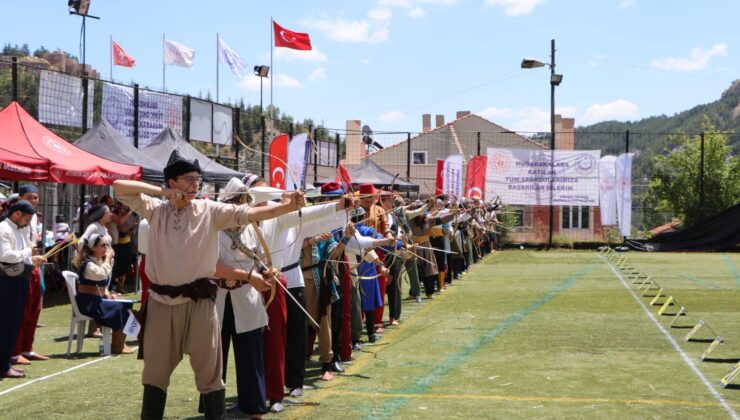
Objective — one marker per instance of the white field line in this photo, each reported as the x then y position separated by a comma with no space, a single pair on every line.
720,399
43,378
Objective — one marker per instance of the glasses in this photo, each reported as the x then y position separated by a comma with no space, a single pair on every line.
192,179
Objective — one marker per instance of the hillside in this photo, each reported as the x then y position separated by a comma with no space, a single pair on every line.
724,113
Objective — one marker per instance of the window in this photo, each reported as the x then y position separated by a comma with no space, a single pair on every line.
419,158
575,217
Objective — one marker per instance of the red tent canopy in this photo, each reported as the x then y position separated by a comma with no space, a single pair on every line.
27,148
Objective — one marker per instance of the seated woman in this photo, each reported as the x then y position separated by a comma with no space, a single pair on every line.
94,271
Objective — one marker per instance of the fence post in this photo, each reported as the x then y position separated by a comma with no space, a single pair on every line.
14,76
264,140
408,157
626,150
237,130
85,81
186,129
315,152
136,115
337,154
478,140
701,175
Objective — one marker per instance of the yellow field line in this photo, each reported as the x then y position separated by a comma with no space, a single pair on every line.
457,396
362,361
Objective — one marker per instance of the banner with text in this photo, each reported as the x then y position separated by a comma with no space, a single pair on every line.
452,175
60,99
527,176
157,111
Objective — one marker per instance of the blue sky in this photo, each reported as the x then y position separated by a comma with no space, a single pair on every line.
387,62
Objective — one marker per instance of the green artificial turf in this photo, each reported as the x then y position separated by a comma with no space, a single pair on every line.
524,334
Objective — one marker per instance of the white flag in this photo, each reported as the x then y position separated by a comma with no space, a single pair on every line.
624,192
299,150
228,56
452,175
178,54
608,190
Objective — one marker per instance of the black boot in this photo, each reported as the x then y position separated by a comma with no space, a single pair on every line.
214,405
152,407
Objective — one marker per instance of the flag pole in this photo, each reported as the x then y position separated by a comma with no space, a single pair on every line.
272,66
163,84
111,57
217,87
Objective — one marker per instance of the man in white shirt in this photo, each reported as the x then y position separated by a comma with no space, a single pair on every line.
18,262
23,349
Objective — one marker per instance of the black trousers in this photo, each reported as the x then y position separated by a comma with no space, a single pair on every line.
336,328
295,345
429,283
249,359
13,294
393,291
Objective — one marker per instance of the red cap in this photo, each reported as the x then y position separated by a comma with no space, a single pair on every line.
366,189
332,188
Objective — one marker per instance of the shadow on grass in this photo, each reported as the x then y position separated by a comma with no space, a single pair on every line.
733,386
682,327
720,360
701,340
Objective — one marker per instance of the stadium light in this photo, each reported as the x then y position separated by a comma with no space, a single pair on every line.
555,80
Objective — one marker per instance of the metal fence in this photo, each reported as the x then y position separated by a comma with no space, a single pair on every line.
69,104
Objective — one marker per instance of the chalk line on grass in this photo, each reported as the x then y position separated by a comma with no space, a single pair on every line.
717,396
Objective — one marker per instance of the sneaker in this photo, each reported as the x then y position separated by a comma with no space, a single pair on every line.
336,367
356,347
418,299
277,407
371,338
296,392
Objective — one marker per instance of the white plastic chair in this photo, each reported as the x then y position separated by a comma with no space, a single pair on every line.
78,319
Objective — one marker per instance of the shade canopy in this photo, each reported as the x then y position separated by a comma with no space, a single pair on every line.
370,173
29,151
105,141
168,140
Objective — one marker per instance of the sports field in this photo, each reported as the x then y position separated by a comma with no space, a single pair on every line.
524,334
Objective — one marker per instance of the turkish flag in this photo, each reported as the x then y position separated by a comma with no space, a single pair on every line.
289,39
475,179
120,58
278,161
343,176
438,184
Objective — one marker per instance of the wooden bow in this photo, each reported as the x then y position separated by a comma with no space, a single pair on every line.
268,258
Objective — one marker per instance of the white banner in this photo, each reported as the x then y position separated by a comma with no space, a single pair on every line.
299,149
452,176
201,117
608,190
526,176
624,193
60,99
157,111
222,122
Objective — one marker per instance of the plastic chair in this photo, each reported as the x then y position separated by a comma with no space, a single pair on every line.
78,319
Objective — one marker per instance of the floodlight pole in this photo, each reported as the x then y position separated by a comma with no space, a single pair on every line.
552,137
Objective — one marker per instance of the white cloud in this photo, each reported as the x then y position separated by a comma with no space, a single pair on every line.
515,7
619,109
391,116
251,83
365,61
351,31
287,54
417,13
626,4
318,74
698,59
530,119
283,80
396,3
382,14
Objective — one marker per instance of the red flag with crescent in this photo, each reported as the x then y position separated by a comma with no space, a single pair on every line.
343,176
289,39
475,179
278,159
438,184
120,58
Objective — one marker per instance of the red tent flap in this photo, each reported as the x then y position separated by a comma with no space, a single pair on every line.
22,135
